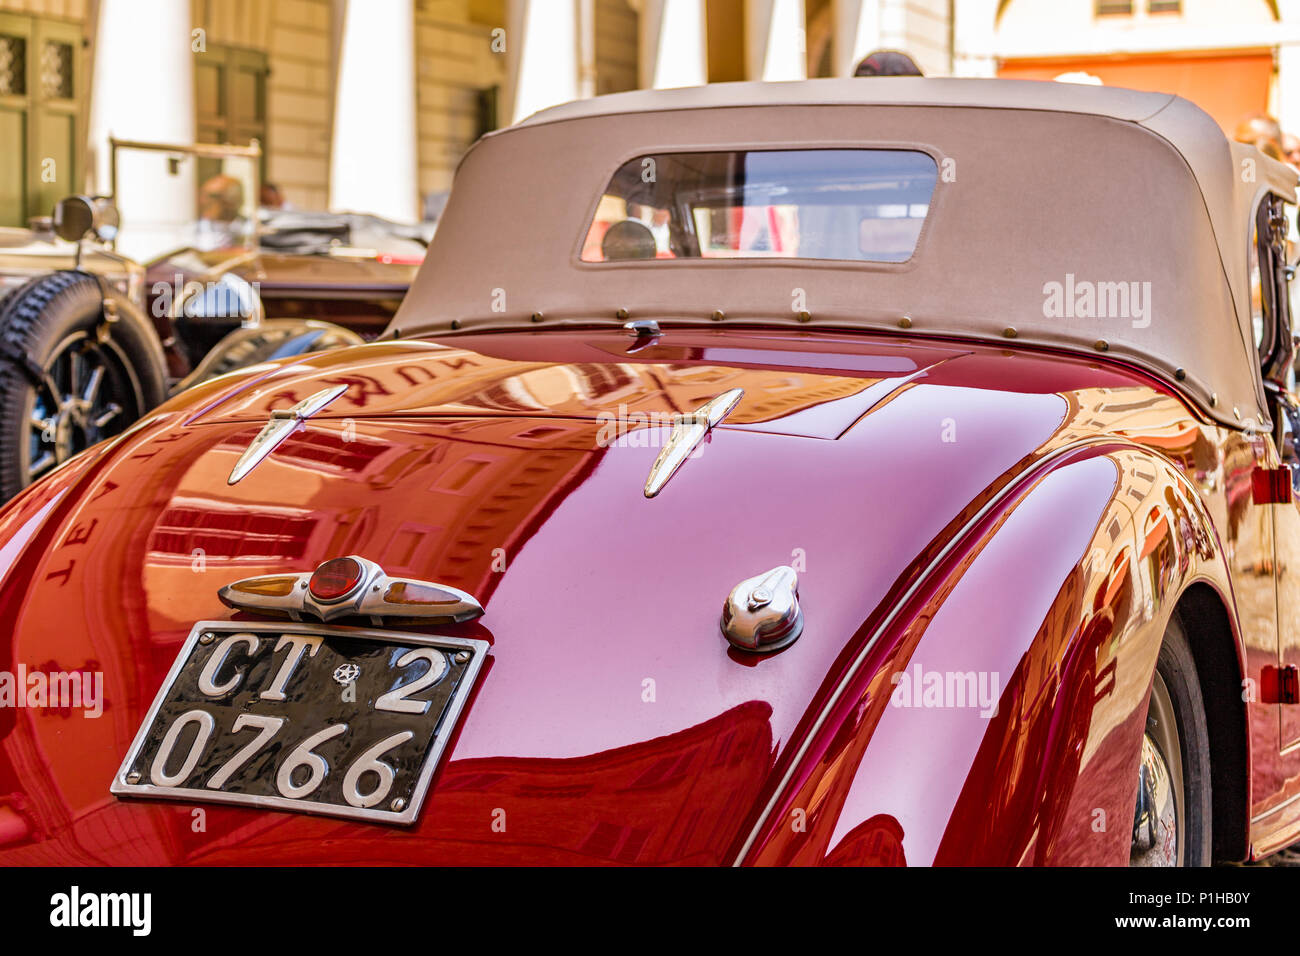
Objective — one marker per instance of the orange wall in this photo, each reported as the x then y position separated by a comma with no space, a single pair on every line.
1227,86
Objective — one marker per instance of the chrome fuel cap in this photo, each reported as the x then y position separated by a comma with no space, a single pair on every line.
762,613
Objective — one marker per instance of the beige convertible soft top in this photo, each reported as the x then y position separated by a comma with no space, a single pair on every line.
1046,190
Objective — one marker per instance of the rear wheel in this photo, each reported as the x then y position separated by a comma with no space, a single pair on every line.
1172,816
70,375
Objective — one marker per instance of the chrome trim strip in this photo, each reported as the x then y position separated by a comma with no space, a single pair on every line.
433,756
1272,810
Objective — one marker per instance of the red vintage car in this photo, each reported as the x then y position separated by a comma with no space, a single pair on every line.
842,472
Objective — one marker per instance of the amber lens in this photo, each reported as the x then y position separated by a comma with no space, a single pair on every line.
278,586
408,592
335,578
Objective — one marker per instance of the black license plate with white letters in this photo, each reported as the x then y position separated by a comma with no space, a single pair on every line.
340,721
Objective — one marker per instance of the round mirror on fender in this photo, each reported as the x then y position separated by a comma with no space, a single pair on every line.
74,216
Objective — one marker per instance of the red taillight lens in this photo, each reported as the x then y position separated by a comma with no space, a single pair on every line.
335,579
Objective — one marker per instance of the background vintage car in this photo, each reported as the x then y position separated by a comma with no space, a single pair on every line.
93,341
1091,515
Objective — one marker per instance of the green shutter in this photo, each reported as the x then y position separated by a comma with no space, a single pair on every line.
15,42
230,98
41,91
54,167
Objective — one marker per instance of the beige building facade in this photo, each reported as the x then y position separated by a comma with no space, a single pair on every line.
441,73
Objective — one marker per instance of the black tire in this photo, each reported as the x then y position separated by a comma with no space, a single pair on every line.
1183,744
53,335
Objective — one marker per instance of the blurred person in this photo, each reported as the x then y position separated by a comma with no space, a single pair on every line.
271,197
221,198
887,63
1291,149
1262,132
220,225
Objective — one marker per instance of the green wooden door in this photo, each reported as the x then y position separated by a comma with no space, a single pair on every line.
40,111
230,99
15,41
54,160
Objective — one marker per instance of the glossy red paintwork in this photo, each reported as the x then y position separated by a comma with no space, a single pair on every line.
613,722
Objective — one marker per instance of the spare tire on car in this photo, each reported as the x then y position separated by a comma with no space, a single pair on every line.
78,363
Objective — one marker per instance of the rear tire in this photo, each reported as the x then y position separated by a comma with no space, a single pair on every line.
68,378
1172,823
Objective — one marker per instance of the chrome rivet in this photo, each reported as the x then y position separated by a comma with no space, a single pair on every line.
905,322
537,316
718,315
1101,345
1009,332
621,313
205,638
1214,399
1236,413
455,323
302,584
1180,374
133,777
462,657
804,316
375,588
398,805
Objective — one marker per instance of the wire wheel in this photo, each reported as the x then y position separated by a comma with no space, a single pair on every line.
1159,817
87,393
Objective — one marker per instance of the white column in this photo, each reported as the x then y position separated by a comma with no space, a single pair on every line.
674,44
1287,89
974,38
542,43
857,33
373,157
143,89
774,40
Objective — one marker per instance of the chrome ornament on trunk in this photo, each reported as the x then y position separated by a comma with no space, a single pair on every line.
689,429
350,587
283,422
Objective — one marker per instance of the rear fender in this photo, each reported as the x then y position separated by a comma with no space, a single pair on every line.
1055,598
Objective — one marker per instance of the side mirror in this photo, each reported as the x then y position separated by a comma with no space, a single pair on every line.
77,217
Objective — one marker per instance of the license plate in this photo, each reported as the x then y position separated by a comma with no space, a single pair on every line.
339,721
